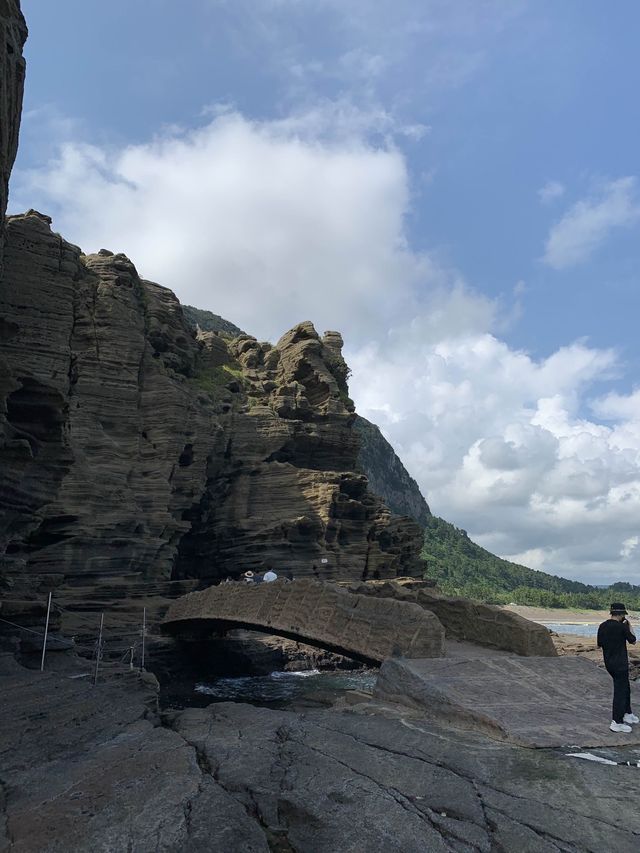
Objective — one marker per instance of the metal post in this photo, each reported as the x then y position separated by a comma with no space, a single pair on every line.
46,631
131,657
98,650
144,630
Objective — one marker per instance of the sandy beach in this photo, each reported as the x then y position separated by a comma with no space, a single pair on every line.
565,616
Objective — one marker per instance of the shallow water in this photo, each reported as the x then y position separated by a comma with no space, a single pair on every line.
281,689
579,629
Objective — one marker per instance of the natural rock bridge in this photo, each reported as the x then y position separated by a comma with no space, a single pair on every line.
320,614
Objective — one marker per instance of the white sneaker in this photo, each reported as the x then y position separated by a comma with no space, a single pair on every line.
619,727
630,718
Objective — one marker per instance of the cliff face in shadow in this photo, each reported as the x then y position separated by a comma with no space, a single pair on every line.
387,476
131,445
13,34
137,452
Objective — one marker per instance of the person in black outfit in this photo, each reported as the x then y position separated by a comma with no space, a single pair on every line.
613,636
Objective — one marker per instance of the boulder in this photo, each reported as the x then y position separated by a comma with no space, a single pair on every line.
464,619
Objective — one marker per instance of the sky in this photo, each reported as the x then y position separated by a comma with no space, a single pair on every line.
453,186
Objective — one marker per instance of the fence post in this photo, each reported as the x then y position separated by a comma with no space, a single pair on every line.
144,629
98,650
46,631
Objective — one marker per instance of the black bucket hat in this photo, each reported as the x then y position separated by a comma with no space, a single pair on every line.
618,609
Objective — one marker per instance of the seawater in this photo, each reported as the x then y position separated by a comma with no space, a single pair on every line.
579,629
280,689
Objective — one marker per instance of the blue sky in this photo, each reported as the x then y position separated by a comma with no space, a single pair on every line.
455,186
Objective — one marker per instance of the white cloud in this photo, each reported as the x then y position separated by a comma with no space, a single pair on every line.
551,191
498,442
390,51
270,223
589,222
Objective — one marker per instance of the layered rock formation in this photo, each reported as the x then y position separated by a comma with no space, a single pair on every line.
134,454
13,34
467,620
370,629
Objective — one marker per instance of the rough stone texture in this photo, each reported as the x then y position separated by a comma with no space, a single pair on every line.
91,769
98,773
387,476
316,613
464,619
293,498
13,34
535,702
328,781
133,453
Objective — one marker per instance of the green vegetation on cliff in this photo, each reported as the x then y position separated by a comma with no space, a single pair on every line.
210,322
387,476
461,567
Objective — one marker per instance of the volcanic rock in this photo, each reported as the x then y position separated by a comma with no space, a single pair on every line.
13,34
135,454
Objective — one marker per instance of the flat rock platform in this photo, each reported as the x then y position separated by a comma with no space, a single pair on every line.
529,701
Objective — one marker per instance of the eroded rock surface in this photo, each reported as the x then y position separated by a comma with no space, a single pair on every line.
535,702
104,775
13,34
360,626
332,781
464,619
134,455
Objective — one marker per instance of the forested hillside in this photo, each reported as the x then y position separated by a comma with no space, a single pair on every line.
463,568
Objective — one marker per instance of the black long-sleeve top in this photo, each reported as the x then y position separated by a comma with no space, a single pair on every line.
613,637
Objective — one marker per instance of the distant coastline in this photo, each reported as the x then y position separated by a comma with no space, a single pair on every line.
565,615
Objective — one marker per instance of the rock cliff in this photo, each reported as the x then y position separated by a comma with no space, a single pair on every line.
137,453
131,445
13,34
387,476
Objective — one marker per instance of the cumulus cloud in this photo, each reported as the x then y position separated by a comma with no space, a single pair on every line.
269,223
499,443
590,221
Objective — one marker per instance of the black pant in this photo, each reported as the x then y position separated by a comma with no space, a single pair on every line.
621,693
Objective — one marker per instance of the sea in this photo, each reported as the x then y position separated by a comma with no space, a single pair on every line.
580,629
309,688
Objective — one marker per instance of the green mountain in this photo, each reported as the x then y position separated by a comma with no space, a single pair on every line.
387,475
460,567
209,322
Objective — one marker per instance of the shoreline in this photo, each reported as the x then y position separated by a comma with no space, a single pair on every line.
564,616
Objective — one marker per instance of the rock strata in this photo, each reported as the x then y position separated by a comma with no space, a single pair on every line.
363,627
13,34
136,454
463,619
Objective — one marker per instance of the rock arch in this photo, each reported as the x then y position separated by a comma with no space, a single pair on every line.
316,613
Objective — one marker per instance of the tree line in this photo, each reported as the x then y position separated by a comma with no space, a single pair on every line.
460,567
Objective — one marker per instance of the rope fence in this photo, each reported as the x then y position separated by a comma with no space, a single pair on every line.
97,648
